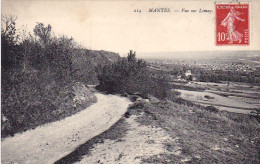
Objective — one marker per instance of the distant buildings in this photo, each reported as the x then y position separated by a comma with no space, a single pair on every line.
188,73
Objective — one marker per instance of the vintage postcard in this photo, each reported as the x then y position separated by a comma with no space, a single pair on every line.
130,81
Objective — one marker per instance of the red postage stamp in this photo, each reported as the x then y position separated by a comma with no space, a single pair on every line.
232,24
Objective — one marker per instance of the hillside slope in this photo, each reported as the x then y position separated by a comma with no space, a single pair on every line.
69,100
85,61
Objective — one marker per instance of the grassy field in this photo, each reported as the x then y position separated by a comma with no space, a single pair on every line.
221,102
232,97
203,136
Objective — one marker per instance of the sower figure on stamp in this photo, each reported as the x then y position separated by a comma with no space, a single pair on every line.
229,21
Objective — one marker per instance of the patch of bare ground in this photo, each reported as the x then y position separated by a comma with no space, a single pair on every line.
138,143
125,142
114,133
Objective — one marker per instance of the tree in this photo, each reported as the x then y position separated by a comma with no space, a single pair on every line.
9,42
44,33
60,53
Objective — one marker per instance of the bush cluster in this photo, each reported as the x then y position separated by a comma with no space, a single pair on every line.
131,75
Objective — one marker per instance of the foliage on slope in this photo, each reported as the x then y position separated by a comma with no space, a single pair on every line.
131,75
86,61
37,70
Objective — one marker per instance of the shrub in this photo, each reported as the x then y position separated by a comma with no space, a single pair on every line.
212,109
208,97
131,75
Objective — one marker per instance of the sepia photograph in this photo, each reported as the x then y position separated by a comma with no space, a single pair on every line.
130,81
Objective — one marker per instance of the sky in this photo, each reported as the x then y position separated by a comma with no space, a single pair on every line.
114,26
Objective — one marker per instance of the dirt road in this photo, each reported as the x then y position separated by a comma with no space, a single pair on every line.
48,143
139,142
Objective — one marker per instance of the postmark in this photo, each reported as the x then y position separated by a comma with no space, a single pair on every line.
232,24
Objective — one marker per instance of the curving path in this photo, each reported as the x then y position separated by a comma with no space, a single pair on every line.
50,142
